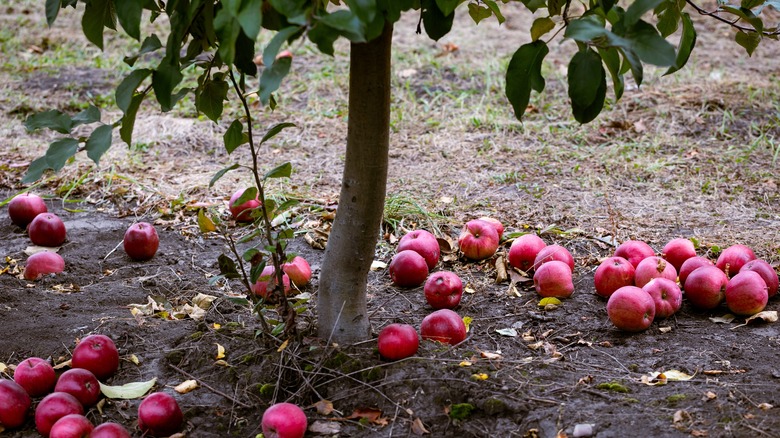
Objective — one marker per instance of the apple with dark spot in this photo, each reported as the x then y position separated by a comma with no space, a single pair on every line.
36,376
631,309
141,241
47,229
81,384
398,341
23,208
443,325
612,274
408,269
109,430
284,420
14,404
554,279
43,263
634,251
71,426
554,252
733,258
53,407
443,290
98,354
524,250
746,293
691,265
705,287
424,243
653,267
242,212
159,415
478,240
677,251
666,294
766,271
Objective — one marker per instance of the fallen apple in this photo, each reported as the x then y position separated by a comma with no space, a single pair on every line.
631,309
666,295
612,274
746,293
478,240
242,212
14,404
677,251
423,243
634,251
398,341
496,224
47,229
109,430
524,250
733,258
554,252
43,263
691,265
554,279
159,415
141,241
53,407
284,420
36,376
23,208
408,269
299,271
81,384
268,281
443,290
766,271
98,354
653,267
71,426
445,326
705,287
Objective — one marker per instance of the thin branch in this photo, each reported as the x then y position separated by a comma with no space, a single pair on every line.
715,14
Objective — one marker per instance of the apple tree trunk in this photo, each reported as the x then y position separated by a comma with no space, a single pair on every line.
341,299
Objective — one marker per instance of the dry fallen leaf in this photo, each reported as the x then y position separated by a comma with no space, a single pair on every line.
765,406
709,395
134,359
186,386
372,415
725,319
489,355
501,275
283,346
681,416
465,363
325,428
479,376
699,433
220,352
418,428
324,407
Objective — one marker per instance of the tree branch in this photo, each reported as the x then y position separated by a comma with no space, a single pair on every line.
715,14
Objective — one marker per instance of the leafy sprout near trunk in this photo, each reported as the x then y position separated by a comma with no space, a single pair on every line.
216,40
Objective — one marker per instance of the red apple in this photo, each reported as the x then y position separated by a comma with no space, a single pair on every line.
43,263
677,251
53,407
443,290
554,279
242,212
746,293
554,252
398,341
267,282
109,430
47,229
36,376
423,243
443,325
141,241
691,265
284,54
705,287
408,269
159,415
98,354
653,267
284,420
23,208
631,309
71,426
478,240
733,258
81,384
612,274
634,251
496,224
14,404
666,295
299,271
766,271
524,250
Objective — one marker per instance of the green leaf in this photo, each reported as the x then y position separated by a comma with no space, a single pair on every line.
89,115
272,49
747,15
637,9
129,13
97,15
650,46
496,10
150,44
60,151
447,6
227,266
748,40
245,55
634,63
128,390
52,10
128,120
250,17
554,7
255,271
687,43
533,5
126,89
248,194
227,29
281,171
275,130
52,119
99,142
250,253
35,170
586,29
211,98
164,80
205,224
669,19
272,77
435,23
541,26
524,73
587,85
611,58
347,23
364,9
235,136
750,4
221,173
479,13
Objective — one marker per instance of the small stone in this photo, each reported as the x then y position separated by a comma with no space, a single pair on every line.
582,430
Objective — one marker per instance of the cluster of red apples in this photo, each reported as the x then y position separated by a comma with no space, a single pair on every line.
641,286
46,229
60,413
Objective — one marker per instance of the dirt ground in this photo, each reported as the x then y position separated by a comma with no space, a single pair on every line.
690,156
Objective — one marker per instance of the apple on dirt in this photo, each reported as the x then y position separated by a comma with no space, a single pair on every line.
634,251
443,290
733,258
398,341
23,208
109,430
81,384
141,241
408,269
746,293
612,274
53,407
98,354
36,376
71,426
14,404
423,243
691,265
299,271
267,282
666,295
705,287
631,309
159,415
443,325
524,250
478,240
496,224
43,263
554,252
677,251
284,420
47,229
554,279
766,271
653,267
242,212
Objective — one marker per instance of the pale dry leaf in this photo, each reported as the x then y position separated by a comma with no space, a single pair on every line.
510,332
3,367
501,274
725,319
128,390
377,265
467,320
203,300
680,416
677,376
418,428
664,329
186,386
518,277
325,427
134,359
709,395
700,433
324,407
222,363
178,435
33,249
765,406
479,376
220,351
587,380
100,404
62,365
194,312
489,355
465,363
469,290
536,345
446,245
283,346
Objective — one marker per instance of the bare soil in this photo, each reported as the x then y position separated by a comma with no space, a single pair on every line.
688,156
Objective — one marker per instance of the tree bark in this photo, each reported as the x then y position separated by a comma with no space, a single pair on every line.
341,299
